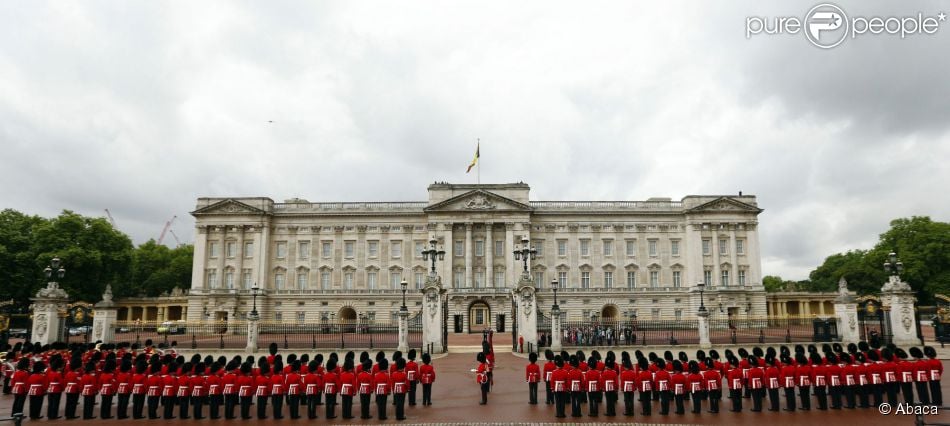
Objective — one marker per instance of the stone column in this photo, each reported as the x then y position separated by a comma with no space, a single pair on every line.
846,314
104,317
898,295
49,301
432,295
198,260
510,266
704,341
403,331
489,246
253,329
527,319
468,255
556,329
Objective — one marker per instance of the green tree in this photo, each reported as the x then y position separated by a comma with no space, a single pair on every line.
157,269
773,283
856,266
923,246
18,271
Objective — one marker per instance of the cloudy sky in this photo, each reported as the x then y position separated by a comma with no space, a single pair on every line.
141,107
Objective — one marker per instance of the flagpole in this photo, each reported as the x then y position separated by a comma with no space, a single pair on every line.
478,164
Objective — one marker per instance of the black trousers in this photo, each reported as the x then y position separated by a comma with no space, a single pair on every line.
400,400
697,398
773,399
311,407
138,405
548,395
183,404
610,408
936,394
365,400
122,406
892,388
331,406
88,404
105,408
293,403
152,406
835,392
665,402
907,389
381,407
198,406
427,394
714,397
804,395
261,407
36,407
736,396
576,404
214,405
821,397
52,405
877,392
849,396
277,405
533,393
347,406
560,399
646,403
922,393
72,402
19,401
412,392
168,407
680,406
246,407
757,396
594,398
230,401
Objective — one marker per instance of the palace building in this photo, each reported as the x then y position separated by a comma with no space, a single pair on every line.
320,261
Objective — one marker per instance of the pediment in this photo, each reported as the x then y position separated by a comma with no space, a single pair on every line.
478,200
726,204
228,207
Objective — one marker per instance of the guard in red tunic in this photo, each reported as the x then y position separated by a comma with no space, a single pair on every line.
546,375
773,381
833,378
678,383
56,386
262,388
559,379
734,382
644,384
123,383
294,384
229,388
905,375
153,386
661,384
90,388
364,385
184,390
37,384
697,387
400,387
595,393
713,383
245,384
312,385
278,388
756,381
577,386
427,378
532,376
482,378
214,382
889,370
608,382
412,373
19,385
921,378
936,371
348,388
382,386
331,387
199,390
803,380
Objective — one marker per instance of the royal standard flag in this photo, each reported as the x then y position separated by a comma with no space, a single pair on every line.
474,160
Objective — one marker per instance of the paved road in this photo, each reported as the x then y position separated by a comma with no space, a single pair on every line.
456,402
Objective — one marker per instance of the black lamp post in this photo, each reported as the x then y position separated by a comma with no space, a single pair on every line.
702,286
431,254
893,265
404,284
254,290
525,253
54,270
554,286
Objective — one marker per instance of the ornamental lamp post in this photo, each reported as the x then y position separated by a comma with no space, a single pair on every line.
702,286
554,286
525,253
254,290
54,270
893,265
432,254
404,284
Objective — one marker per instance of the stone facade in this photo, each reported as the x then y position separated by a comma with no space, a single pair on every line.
344,260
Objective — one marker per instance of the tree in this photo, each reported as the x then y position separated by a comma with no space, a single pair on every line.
855,265
18,271
773,283
157,269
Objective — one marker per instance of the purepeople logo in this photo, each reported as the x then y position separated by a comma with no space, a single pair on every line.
827,25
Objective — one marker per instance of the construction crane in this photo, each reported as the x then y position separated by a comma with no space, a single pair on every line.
168,226
174,235
111,220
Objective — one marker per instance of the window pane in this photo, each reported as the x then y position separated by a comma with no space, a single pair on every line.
327,250
249,249
479,248
459,248
706,247
304,251
373,249
585,247
500,248
608,247
675,248
631,247
396,249
562,248
652,245
371,280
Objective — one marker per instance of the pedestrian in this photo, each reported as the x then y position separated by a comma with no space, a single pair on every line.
532,376
427,378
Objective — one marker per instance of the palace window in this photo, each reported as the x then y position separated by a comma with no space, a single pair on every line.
539,279
395,277
631,279
327,249
348,249
499,279
459,248
281,251
678,314
675,248
654,278
247,279
417,250
562,279
229,279
585,247
585,279
371,280
302,276
348,280
631,248
395,249
706,248
676,278
652,248
479,279
229,248
248,249
725,277
212,249
707,278
301,316
608,279
420,278
325,280
279,281
500,249
608,247
539,246
742,277
459,277
562,247
723,247
372,249
212,278
479,248
740,246
303,251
